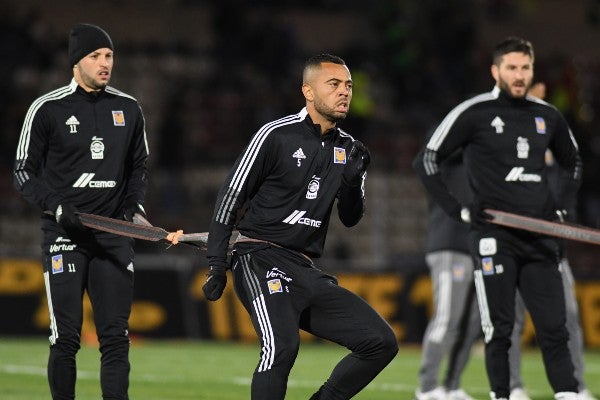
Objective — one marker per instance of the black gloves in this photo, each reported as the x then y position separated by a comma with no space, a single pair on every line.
475,215
356,164
66,216
131,208
215,283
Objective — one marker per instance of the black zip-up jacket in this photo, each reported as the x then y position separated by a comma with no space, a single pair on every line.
87,149
504,142
444,232
288,177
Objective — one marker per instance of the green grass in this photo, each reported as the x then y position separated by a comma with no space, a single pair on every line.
180,370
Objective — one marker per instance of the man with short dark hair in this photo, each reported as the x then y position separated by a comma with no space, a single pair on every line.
504,135
83,148
289,177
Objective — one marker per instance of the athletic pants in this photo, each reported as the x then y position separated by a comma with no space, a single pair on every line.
573,327
106,271
455,324
284,292
507,261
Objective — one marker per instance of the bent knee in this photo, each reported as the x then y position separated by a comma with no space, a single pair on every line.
390,343
384,342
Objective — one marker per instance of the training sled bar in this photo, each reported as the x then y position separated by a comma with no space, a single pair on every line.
563,230
139,231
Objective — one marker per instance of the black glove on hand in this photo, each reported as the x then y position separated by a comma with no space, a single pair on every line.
66,216
131,208
475,215
356,164
215,283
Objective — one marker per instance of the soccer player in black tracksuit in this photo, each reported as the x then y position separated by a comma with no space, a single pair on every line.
504,135
83,148
455,325
290,175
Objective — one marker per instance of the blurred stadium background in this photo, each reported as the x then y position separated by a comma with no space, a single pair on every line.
208,74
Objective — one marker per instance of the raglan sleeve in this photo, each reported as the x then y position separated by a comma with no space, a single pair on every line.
351,202
566,153
452,134
138,152
241,183
30,157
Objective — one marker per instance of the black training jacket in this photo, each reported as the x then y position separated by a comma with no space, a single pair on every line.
288,177
504,142
87,149
444,232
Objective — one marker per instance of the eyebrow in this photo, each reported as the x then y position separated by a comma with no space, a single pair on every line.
339,80
528,65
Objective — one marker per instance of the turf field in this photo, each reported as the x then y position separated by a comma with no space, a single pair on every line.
180,370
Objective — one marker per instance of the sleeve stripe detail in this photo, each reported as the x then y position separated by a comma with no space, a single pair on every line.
25,137
442,130
22,177
578,170
430,162
345,134
112,90
144,129
241,173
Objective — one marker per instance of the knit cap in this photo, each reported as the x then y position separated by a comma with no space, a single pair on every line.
84,39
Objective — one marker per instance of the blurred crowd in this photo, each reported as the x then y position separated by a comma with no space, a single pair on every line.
411,62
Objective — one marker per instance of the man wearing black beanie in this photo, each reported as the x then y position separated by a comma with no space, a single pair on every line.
84,39
83,148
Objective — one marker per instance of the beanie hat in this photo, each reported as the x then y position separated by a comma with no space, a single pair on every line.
84,39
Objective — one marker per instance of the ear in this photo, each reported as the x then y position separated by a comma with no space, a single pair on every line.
495,72
307,92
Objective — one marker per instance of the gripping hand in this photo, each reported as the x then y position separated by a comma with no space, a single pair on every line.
215,283
475,215
132,208
66,216
356,164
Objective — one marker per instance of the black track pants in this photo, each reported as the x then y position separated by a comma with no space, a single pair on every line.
505,261
107,276
284,292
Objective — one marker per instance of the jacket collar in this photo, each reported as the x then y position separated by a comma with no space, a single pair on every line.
503,96
316,129
92,96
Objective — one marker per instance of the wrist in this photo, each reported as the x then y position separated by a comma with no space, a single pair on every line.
217,270
352,182
58,213
465,215
136,207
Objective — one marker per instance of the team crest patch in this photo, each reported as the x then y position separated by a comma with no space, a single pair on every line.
118,118
57,264
540,125
339,155
458,272
487,266
275,286
488,246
